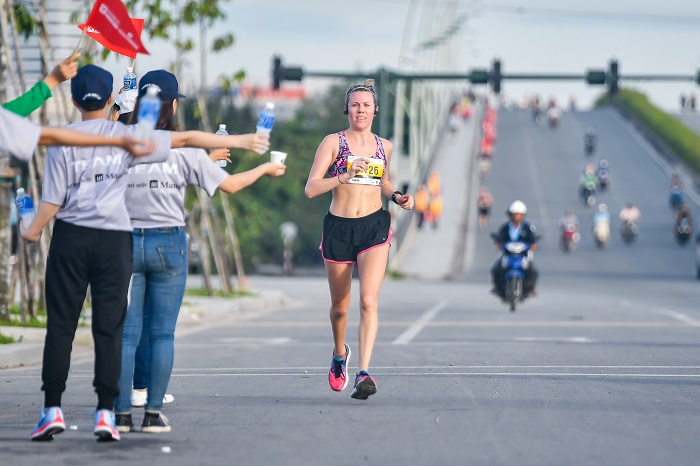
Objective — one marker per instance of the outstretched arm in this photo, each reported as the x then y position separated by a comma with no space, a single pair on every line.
234,183
255,142
67,137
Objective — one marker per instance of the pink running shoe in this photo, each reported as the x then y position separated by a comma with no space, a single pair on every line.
338,375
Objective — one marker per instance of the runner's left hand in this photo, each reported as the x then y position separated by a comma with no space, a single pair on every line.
405,201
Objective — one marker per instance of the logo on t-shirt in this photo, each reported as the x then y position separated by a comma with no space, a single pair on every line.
99,177
153,183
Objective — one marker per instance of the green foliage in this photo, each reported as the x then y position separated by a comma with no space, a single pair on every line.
26,23
6,339
35,323
684,142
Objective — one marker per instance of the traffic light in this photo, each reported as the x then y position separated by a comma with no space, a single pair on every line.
481,76
613,77
280,73
496,76
595,76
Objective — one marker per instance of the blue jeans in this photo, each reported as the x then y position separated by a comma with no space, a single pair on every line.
157,289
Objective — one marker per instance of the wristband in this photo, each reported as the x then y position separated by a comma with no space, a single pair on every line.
393,196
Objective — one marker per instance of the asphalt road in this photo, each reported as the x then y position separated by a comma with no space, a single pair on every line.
602,368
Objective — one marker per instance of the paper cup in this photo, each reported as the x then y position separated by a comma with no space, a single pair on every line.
278,157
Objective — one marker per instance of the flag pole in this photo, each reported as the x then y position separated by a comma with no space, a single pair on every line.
80,41
133,64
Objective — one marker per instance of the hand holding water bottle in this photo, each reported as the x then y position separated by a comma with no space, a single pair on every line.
25,209
129,79
266,121
222,132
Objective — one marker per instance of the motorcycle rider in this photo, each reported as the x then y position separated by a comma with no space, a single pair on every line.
601,215
602,173
675,189
589,181
601,225
569,218
589,141
630,213
516,229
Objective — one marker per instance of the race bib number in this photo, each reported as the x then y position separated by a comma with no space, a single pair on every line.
373,174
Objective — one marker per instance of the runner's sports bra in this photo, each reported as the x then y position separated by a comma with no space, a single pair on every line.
340,165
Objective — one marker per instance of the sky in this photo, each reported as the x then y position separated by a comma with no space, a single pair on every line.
351,35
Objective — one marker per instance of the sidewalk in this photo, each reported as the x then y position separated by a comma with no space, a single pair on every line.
196,313
432,253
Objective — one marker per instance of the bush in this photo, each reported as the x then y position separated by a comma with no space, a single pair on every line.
684,142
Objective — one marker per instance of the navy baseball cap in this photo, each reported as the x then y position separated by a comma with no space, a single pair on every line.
91,88
164,81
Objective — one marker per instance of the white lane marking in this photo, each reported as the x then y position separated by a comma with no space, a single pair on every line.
415,328
557,339
266,341
678,316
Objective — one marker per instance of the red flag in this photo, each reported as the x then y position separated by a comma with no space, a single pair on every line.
95,34
109,24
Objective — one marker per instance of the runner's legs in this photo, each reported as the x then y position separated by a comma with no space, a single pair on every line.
371,267
339,281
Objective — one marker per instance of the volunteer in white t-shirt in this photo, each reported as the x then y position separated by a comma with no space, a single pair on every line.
19,138
92,245
155,198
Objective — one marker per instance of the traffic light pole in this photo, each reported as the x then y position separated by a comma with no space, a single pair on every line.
494,77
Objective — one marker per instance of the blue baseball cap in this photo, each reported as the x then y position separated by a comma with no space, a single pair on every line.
91,88
164,81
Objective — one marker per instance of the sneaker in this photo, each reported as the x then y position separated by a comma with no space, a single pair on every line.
365,385
105,426
338,375
155,423
50,423
124,423
139,397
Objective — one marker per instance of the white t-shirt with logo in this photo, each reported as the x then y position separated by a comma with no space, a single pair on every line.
18,137
155,194
89,182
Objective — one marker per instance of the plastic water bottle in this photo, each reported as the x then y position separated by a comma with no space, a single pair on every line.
222,132
149,109
129,79
25,207
266,120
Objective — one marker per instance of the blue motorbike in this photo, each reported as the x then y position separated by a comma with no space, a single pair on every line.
515,260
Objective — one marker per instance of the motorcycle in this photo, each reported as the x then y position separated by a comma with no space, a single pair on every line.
515,261
569,237
684,230
588,194
603,179
589,145
676,199
629,231
601,234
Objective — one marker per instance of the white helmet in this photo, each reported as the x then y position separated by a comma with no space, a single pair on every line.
517,207
603,208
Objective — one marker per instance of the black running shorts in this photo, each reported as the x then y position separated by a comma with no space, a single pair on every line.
346,238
